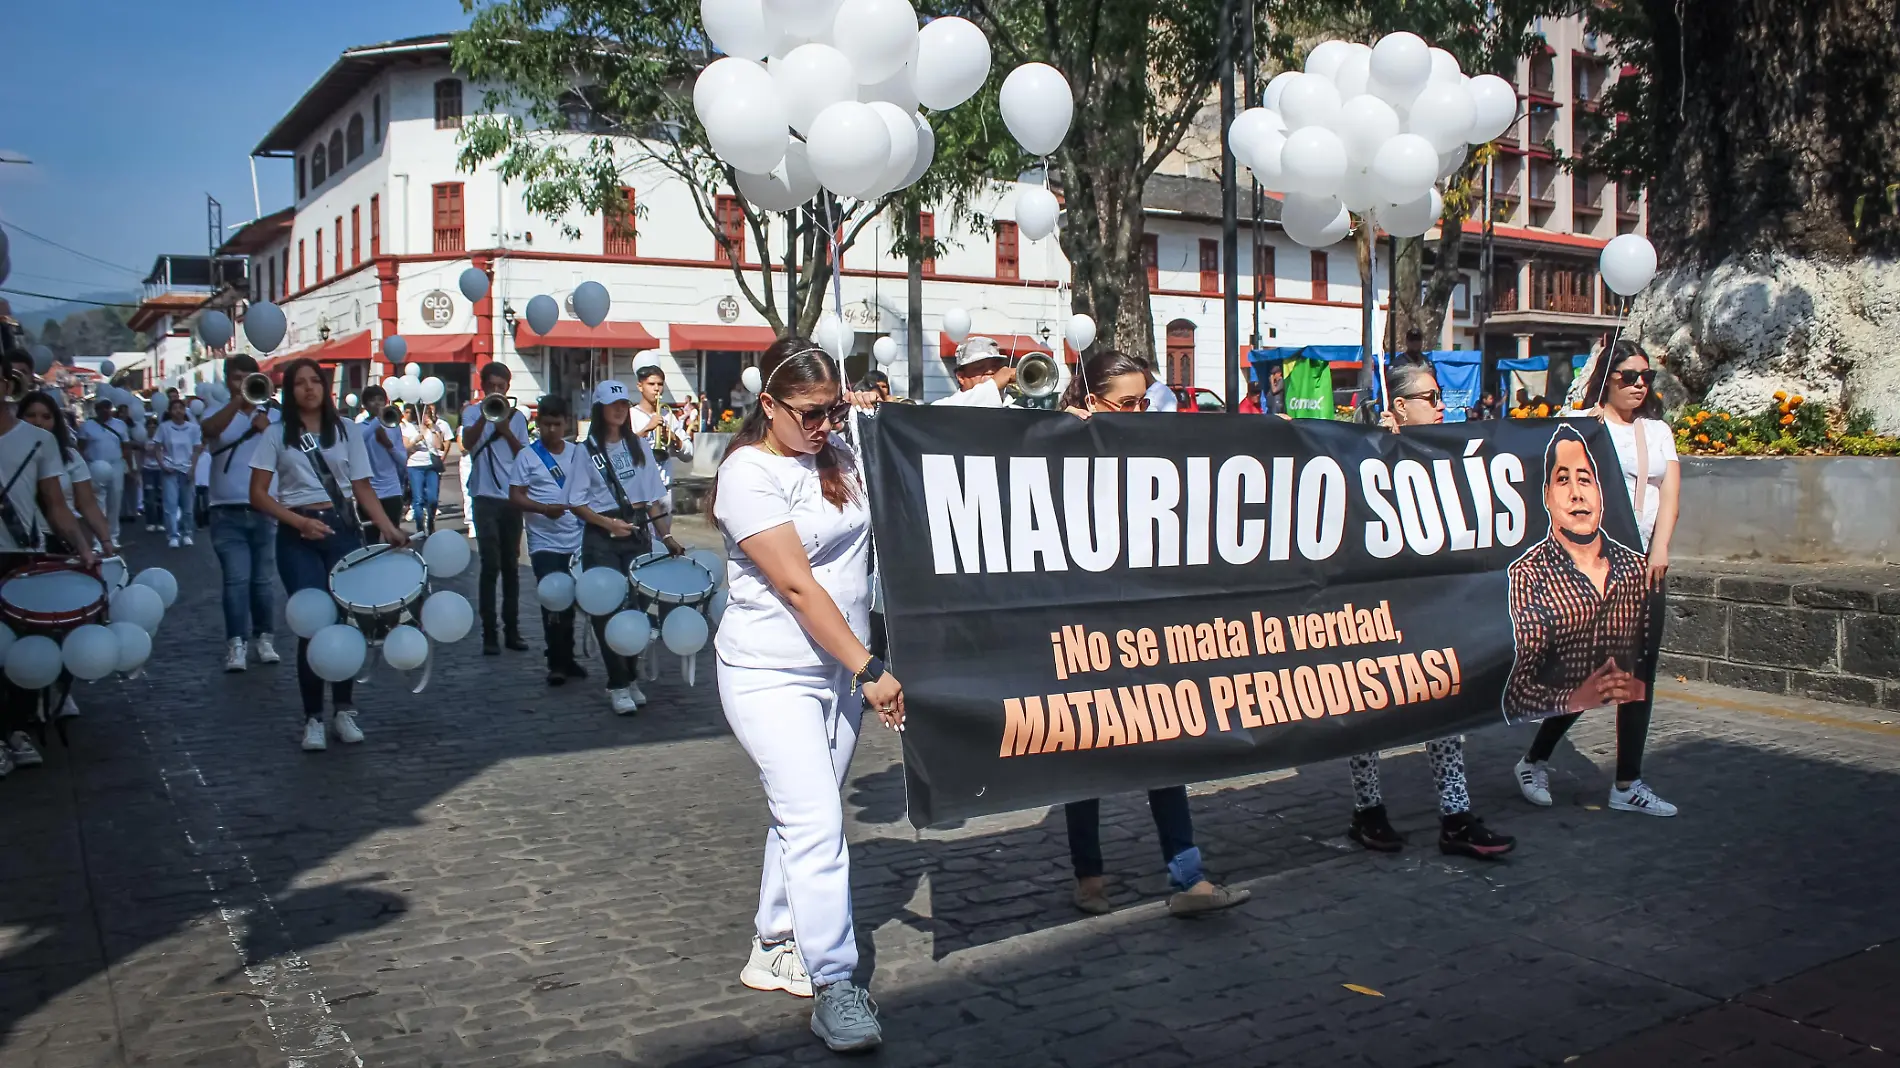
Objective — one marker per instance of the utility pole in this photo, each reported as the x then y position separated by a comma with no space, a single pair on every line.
914,322
1250,97
1229,206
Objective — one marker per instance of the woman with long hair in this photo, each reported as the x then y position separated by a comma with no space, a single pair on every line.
40,409
1417,401
313,478
628,503
1113,382
426,436
1622,390
795,673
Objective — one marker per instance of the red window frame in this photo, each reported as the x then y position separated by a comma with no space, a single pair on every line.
356,235
1009,263
375,226
317,263
619,237
1210,265
730,217
1151,259
1263,270
1320,286
339,244
446,202
927,231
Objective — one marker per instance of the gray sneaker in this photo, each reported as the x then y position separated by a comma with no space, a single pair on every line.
845,1018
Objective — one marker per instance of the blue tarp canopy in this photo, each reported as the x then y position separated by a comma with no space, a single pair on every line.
1531,363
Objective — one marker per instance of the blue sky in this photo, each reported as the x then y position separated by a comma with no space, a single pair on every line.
133,111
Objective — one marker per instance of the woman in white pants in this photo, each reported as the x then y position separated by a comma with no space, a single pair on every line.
794,673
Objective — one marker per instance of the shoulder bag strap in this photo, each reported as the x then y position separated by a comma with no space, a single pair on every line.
312,448
22,537
547,460
605,466
1642,469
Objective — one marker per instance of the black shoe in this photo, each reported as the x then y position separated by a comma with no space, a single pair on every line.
489,646
514,641
555,678
1466,835
573,670
1371,829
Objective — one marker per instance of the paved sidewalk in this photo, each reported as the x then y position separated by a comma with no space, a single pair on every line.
507,875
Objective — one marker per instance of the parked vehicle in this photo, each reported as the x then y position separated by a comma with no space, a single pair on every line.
1196,399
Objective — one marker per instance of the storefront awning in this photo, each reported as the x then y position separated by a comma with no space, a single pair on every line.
689,337
329,353
573,334
439,348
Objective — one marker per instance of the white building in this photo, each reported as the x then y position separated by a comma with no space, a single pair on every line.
384,223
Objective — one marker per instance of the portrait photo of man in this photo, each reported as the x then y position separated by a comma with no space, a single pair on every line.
1579,599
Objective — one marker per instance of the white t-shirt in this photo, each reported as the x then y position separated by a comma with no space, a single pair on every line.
201,471
489,474
641,484
421,441
984,394
1161,398
103,440
19,457
385,464
176,442
231,469
77,469
680,447
756,492
298,485
574,486
1661,447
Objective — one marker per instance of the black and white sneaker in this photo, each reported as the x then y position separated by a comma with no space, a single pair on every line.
1640,798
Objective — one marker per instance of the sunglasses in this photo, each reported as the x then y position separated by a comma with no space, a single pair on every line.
1431,397
818,415
1132,404
1630,378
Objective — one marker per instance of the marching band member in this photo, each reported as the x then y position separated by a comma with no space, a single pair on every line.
666,433
1112,382
178,442
107,439
488,455
244,538
982,375
792,664
313,478
75,477
548,481
388,453
628,496
426,435
1416,401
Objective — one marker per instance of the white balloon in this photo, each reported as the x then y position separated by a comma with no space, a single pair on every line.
848,146
555,591
884,351
926,152
1270,96
1355,72
789,184
34,662
1414,218
956,324
196,406
737,27
809,79
807,18
1326,57
1310,100
1249,128
953,61
716,608
749,378
90,652
1628,263
1314,221
1449,162
833,335
684,631
7,638
135,646
1354,189
1314,160
447,553
1404,168
1080,333
901,125
875,35
411,369
161,580
746,128
309,611
1036,211
1443,114
1444,67
405,648
1037,106
601,590
1269,150
433,390
337,652
1365,122
1402,64
447,616
1494,105
899,88
723,76
138,604
473,283
628,633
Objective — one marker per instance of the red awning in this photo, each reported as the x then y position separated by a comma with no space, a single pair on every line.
1014,346
689,337
574,334
329,353
440,348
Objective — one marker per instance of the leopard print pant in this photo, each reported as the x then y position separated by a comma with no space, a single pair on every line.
1448,771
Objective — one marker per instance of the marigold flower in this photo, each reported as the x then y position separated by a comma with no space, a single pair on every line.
1787,419
1703,438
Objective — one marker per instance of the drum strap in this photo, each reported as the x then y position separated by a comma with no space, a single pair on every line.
229,451
547,460
23,538
598,454
313,451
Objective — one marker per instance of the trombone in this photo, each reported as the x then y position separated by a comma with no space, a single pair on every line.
259,390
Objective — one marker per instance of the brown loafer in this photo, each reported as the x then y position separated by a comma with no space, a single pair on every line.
1093,900
1223,897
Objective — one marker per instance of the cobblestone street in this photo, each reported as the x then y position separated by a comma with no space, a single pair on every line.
504,874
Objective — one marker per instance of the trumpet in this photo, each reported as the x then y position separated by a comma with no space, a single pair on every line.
1037,375
497,406
391,416
259,390
16,385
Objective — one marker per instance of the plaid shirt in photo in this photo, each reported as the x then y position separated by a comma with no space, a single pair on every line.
1565,630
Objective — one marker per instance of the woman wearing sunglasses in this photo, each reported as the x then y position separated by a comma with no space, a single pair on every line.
1417,401
794,672
1113,382
1622,387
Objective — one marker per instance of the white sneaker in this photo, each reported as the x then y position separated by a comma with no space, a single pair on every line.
234,659
343,725
171,543
186,539
153,528
1533,780
776,968
633,692
266,652
21,747
315,738
623,702
1639,798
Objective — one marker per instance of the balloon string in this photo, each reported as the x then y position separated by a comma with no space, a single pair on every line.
1372,272
832,224
428,667
1622,316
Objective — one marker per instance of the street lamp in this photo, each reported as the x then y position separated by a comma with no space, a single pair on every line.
508,315
323,332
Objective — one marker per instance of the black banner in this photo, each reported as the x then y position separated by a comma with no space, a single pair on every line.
1081,607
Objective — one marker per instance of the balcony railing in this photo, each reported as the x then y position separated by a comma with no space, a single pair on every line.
1564,291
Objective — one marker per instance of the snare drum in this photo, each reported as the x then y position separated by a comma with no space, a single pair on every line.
662,580
51,597
378,587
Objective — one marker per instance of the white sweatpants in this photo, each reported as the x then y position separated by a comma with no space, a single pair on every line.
800,726
111,494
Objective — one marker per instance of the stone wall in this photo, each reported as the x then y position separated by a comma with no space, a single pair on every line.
1817,636
1802,510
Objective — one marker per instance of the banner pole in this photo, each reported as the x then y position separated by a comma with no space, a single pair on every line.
1369,297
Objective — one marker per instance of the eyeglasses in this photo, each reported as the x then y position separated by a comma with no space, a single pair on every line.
1630,378
818,415
1132,404
1431,397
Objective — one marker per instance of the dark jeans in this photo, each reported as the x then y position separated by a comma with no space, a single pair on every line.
498,539
1632,719
425,484
1174,824
392,507
305,564
246,544
598,549
154,497
556,627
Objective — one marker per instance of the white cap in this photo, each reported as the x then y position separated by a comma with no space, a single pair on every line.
610,391
976,350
